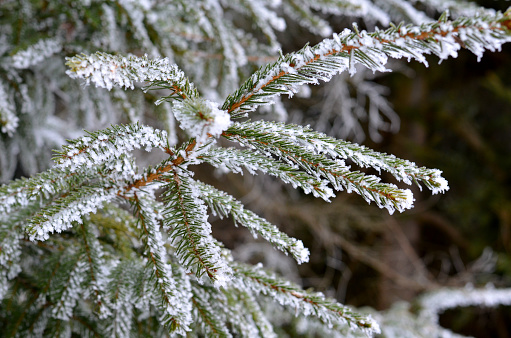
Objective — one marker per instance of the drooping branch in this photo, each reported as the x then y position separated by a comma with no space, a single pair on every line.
332,56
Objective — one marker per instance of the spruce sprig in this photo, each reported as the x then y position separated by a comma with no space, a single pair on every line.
174,297
308,303
225,205
235,160
190,231
372,50
121,71
207,307
272,140
319,143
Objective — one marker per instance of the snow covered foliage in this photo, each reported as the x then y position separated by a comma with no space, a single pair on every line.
105,244
201,37
341,53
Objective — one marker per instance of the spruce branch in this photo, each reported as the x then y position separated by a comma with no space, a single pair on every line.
120,292
8,119
332,56
306,18
107,71
307,303
233,54
235,160
224,205
174,298
458,8
10,256
245,313
186,216
35,53
358,8
272,139
95,266
109,144
68,286
319,143
24,192
432,304
207,307
160,271
266,20
53,272
63,212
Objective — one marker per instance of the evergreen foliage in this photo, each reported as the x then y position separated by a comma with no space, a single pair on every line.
104,244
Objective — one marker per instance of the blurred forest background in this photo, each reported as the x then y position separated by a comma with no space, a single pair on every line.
454,116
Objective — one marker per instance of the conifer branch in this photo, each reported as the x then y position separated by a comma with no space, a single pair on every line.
319,143
8,119
235,159
139,280
95,262
307,303
120,292
174,301
106,71
272,139
186,216
66,210
35,53
249,306
266,20
207,311
434,303
108,144
306,18
10,256
224,205
41,297
24,192
68,290
332,56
